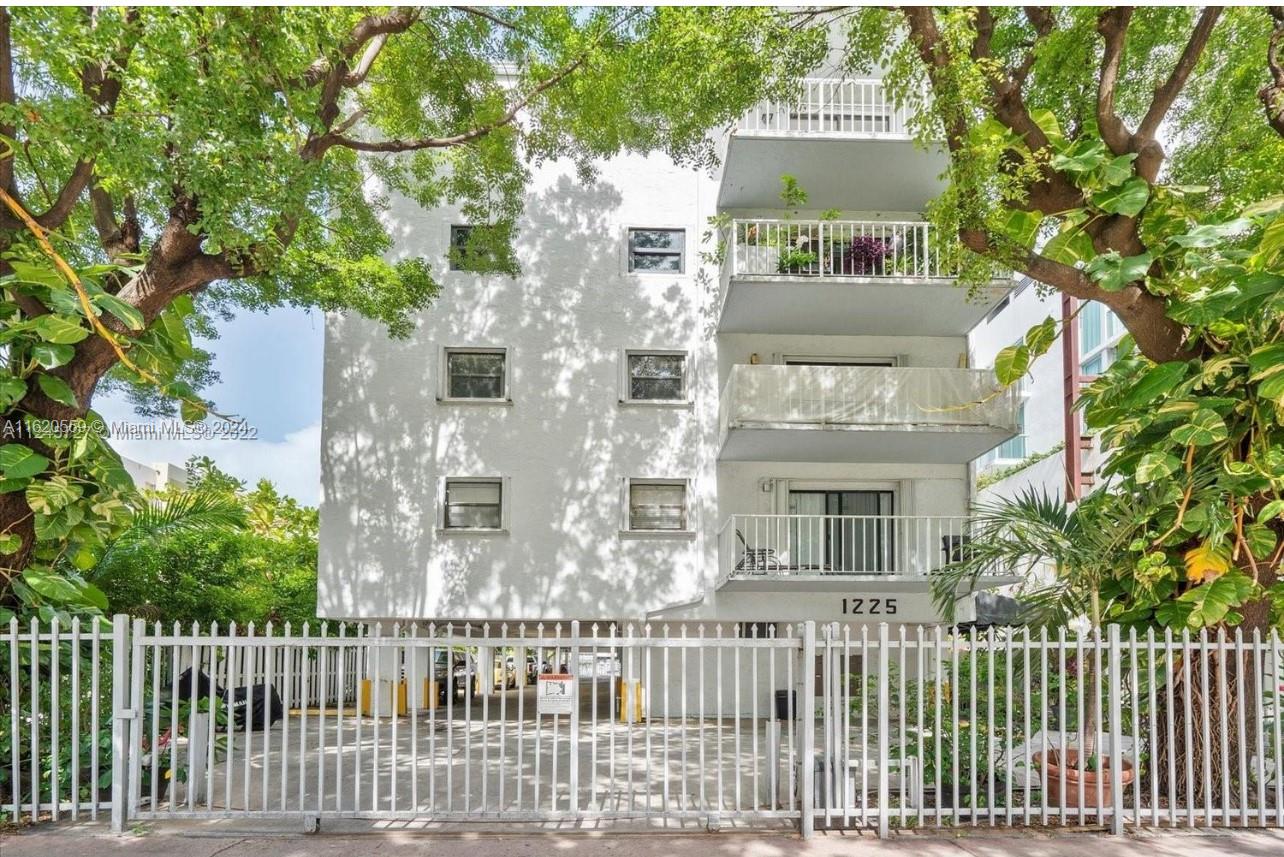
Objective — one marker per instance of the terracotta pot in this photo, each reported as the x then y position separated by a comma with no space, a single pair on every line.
1054,762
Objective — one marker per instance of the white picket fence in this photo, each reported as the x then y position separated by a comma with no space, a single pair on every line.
834,727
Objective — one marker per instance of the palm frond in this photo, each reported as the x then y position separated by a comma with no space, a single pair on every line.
178,513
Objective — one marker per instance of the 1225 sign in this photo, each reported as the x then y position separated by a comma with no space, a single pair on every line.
869,606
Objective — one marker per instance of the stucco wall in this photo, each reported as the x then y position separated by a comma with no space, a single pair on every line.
565,441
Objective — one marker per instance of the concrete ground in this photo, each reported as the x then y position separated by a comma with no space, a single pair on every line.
86,840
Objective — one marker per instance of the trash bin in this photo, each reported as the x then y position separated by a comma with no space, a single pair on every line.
786,704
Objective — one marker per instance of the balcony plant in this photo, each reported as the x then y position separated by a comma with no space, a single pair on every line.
796,260
865,256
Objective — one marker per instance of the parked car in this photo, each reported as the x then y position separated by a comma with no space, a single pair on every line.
462,666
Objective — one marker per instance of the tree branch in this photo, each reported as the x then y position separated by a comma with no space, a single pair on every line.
7,95
1272,95
1166,94
1112,24
370,27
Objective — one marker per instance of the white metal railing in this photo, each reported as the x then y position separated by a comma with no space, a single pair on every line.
852,249
836,726
831,107
874,396
775,546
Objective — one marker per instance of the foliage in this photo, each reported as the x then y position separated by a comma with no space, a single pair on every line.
161,168
232,555
1057,169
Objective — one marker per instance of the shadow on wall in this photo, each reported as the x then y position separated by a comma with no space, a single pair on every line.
565,442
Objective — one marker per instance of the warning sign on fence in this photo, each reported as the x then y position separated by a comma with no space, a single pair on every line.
555,693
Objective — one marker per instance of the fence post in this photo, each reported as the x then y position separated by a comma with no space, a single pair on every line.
119,723
884,792
135,715
1116,733
807,711
575,717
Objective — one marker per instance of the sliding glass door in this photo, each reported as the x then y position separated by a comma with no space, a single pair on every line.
856,535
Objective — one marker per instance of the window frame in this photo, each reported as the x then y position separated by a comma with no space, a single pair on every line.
626,377
505,496
628,251
1107,349
443,386
626,505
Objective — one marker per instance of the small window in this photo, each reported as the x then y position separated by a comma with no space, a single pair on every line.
656,376
464,257
657,250
474,504
657,506
476,373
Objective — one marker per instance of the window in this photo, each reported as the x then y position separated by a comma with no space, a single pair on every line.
657,505
473,504
655,376
1099,333
658,250
465,258
476,373
1013,449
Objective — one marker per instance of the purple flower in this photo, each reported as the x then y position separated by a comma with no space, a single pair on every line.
865,254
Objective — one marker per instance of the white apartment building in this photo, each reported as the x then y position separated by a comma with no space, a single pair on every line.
775,426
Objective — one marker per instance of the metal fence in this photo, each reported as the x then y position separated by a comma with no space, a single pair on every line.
831,107
836,726
839,249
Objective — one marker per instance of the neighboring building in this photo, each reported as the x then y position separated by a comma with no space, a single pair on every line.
1026,461
157,476
632,428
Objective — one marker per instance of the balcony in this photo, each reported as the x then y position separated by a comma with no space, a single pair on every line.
844,277
845,141
781,551
863,413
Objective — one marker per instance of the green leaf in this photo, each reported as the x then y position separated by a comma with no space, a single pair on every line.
1266,361
1154,466
128,314
1261,540
1118,170
1158,381
1040,337
1082,156
10,543
1022,226
1205,428
56,328
1211,602
19,462
57,389
54,493
192,411
1011,364
1271,511
1210,234
1112,271
52,355
1069,246
12,389
1127,199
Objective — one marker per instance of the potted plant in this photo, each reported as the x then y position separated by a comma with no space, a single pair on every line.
864,256
1081,546
796,260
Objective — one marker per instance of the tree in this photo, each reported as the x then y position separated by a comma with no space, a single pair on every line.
215,552
1055,121
165,164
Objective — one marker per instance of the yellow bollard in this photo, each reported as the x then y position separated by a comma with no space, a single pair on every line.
366,698
631,707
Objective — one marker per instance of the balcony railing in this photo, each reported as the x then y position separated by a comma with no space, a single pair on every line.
830,108
872,396
781,546
860,249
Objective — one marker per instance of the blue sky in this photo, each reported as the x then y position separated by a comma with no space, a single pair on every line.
270,365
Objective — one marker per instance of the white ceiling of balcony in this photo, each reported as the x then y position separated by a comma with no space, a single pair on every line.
828,307
848,174
928,445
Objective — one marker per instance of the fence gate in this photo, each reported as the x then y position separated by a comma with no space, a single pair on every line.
463,723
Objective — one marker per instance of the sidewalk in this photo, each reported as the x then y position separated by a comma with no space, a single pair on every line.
86,840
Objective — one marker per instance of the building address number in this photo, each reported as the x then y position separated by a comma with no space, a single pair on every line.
869,606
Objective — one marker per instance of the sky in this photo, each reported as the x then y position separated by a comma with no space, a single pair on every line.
270,365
